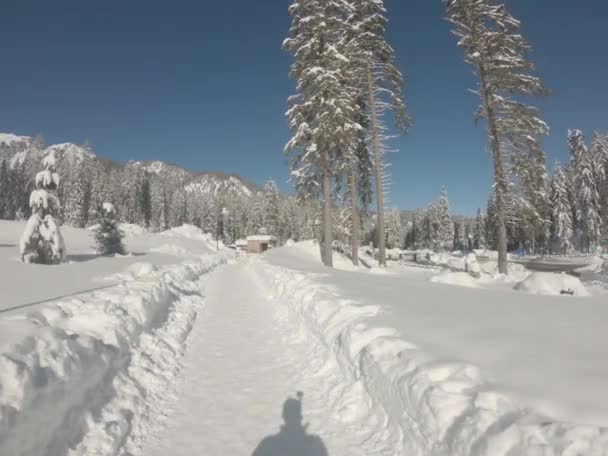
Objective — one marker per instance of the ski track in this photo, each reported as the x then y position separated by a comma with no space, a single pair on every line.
245,357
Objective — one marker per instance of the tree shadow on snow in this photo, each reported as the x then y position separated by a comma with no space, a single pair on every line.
7,246
292,439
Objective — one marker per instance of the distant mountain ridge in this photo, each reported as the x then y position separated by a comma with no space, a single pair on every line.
16,150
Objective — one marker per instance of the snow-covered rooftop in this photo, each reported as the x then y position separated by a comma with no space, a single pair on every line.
262,238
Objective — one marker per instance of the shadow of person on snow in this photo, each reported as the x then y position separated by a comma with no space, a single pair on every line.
292,439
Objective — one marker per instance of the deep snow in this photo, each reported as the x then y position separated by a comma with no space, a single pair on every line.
548,351
179,356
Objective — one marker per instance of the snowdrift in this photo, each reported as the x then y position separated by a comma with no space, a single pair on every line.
550,284
430,406
80,376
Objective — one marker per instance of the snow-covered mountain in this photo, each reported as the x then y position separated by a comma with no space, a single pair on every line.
220,184
17,149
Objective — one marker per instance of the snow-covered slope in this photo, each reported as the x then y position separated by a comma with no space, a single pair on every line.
218,184
10,139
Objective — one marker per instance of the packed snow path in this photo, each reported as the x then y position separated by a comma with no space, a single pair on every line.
243,368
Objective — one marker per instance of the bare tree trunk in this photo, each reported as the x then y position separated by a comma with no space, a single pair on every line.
375,128
354,195
327,254
499,176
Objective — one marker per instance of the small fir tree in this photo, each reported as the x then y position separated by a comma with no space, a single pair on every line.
107,234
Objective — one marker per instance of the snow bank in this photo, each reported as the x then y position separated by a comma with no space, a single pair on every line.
448,260
460,279
79,379
550,284
131,229
172,249
429,406
188,232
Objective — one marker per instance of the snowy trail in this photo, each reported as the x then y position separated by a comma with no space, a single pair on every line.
244,360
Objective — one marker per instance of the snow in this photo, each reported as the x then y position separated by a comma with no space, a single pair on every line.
542,351
461,279
262,238
84,371
42,198
7,139
83,268
545,283
70,152
109,208
159,352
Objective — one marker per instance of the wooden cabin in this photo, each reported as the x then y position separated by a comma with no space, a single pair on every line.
261,243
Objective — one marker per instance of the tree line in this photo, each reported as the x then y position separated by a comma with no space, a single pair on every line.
224,206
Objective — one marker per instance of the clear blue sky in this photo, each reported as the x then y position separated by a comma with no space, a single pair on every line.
204,84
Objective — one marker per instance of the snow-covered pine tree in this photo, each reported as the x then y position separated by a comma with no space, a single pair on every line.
76,197
479,231
586,191
322,115
272,210
492,42
107,234
145,200
445,232
394,230
599,151
430,227
561,212
460,234
374,68
42,241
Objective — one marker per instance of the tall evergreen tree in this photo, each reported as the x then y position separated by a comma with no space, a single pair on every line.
374,68
493,44
479,231
561,212
272,210
445,232
586,190
322,114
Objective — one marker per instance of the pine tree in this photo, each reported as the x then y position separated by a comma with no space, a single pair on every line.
145,199
272,211
479,231
430,227
42,241
445,232
492,42
394,230
374,67
460,235
561,212
586,191
599,151
322,114
107,234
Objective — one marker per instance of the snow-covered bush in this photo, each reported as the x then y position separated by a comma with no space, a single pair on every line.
107,234
42,241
